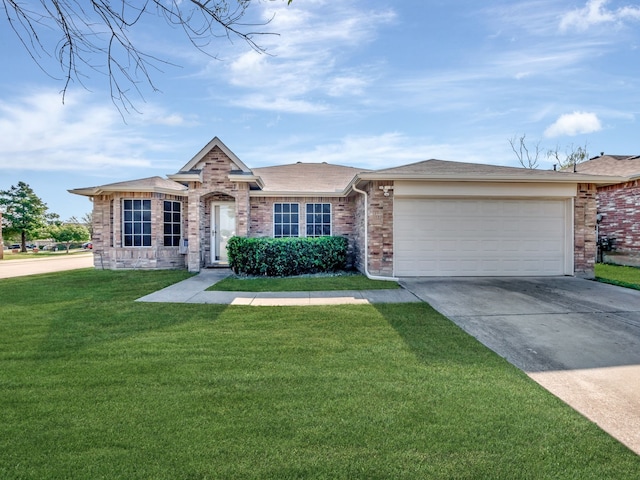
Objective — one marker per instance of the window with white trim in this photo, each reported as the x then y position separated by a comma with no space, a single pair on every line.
136,223
286,220
172,223
318,219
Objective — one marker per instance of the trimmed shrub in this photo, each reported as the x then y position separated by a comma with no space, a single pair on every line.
281,257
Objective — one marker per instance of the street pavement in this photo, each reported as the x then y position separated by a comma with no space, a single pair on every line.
35,266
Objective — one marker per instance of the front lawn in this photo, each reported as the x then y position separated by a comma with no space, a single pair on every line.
94,385
302,283
618,275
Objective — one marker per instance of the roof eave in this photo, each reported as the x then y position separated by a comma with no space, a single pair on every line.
569,178
274,193
244,178
186,177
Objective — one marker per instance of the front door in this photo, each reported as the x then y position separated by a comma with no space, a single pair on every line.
223,227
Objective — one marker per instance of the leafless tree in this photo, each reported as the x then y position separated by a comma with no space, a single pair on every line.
527,158
96,35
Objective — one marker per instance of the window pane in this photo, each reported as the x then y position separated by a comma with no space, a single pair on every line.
309,207
137,216
167,206
286,208
128,216
137,204
128,241
177,206
137,228
146,216
286,230
137,241
278,230
167,216
326,208
277,208
146,204
127,204
326,230
294,230
309,230
146,228
128,228
176,229
294,208
176,217
146,240
167,229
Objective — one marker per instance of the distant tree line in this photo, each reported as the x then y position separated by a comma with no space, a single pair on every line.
28,218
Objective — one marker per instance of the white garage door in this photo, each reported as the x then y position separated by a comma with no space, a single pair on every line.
479,237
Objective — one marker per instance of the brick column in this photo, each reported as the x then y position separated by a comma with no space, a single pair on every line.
193,233
585,230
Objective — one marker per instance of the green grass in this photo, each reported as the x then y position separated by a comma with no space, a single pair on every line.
618,275
94,385
301,284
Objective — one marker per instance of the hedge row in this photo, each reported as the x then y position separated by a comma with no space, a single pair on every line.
279,257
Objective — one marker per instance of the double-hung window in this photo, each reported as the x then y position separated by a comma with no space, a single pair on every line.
136,223
286,220
172,223
318,219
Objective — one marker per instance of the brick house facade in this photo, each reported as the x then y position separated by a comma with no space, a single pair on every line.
618,206
185,220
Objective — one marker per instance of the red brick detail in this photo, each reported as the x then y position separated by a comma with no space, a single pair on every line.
619,206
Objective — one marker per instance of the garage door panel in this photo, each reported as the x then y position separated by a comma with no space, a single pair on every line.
466,237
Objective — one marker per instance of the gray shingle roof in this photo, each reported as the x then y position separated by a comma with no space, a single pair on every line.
149,184
306,177
622,165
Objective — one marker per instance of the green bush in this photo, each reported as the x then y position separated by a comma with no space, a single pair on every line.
281,257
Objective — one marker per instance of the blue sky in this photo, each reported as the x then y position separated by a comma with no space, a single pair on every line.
368,83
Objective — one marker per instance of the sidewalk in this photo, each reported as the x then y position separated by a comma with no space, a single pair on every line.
193,290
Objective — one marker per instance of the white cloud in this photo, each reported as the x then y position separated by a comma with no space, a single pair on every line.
39,132
595,12
574,124
309,61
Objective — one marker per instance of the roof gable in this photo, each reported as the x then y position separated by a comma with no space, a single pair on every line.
215,142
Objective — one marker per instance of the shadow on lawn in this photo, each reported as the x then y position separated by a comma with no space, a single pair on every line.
432,337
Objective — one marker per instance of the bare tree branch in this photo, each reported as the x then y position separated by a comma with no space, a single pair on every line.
526,158
96,35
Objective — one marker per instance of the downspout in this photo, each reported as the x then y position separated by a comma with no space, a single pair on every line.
366,239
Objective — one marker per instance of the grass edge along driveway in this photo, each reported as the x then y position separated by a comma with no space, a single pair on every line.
95,385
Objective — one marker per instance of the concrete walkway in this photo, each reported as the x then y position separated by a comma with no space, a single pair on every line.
193,290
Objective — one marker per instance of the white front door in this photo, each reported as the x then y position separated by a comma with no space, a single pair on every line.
223,227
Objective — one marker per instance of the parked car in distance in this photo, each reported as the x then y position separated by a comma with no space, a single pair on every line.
15,246
88,245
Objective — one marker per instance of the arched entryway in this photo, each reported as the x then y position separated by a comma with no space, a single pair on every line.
221,227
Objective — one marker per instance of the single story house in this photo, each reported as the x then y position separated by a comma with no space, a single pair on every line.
618,205
431,218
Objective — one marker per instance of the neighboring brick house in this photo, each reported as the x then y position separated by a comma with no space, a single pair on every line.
618,206
431,218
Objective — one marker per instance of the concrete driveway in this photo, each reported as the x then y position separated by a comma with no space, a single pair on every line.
579,339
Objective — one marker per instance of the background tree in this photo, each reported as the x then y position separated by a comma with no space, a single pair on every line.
26,213
86,220
68,233
528,157
573,156
98,33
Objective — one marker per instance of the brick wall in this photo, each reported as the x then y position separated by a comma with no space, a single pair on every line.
342,216
620,209
585,230
379,230
108,250
215,186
